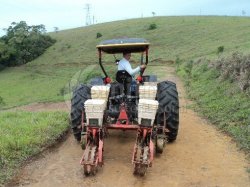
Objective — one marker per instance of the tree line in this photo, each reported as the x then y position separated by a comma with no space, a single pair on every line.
23,43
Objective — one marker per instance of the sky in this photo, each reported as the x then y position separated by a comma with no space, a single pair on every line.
66,14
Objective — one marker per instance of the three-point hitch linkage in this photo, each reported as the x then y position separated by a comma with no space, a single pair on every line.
144,148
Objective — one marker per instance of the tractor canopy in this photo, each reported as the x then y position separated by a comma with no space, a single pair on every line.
120,45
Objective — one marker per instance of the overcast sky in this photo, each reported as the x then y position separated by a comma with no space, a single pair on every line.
66,14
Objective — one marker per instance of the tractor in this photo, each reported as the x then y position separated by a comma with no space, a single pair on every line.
149,107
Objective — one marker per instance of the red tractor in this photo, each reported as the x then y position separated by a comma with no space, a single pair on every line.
149,107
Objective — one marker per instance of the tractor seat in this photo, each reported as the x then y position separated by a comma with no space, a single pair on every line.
124,78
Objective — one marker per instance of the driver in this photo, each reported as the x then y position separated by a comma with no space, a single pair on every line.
124,64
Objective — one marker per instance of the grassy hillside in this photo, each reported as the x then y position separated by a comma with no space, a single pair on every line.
185,38
221,89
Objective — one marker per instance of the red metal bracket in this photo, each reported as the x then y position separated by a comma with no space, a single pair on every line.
123,117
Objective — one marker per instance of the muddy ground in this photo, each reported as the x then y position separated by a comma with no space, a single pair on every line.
200,157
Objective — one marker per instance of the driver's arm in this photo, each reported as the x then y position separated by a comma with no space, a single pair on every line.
126,66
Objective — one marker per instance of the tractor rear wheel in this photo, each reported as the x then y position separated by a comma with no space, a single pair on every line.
80,95
167,97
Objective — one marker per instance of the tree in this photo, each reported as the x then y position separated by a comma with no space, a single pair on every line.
23,43
243,12
153,13
56,29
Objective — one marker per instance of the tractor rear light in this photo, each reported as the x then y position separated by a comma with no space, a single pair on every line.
139,78
107,80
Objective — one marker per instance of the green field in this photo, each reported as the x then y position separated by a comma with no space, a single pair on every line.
73,59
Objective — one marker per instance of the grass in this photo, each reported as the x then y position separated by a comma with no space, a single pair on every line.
23,85
23,134
221,101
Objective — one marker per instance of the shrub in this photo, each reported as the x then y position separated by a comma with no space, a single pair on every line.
98,35
152,26
235,69
1,101
177,61
68,46
188,67
220,49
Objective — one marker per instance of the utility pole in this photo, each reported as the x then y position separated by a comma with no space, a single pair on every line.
88,19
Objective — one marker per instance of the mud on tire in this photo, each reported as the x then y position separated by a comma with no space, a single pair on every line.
80,95
167,97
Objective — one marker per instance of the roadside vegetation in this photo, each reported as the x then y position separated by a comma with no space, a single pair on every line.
221,91
24,134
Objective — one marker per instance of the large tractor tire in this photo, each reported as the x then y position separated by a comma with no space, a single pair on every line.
80,95
167,97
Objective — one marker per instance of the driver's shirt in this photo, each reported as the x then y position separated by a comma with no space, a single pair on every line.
125,65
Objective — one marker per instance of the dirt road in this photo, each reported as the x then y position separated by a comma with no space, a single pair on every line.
201,157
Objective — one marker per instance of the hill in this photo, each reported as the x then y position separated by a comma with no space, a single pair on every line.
48,77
